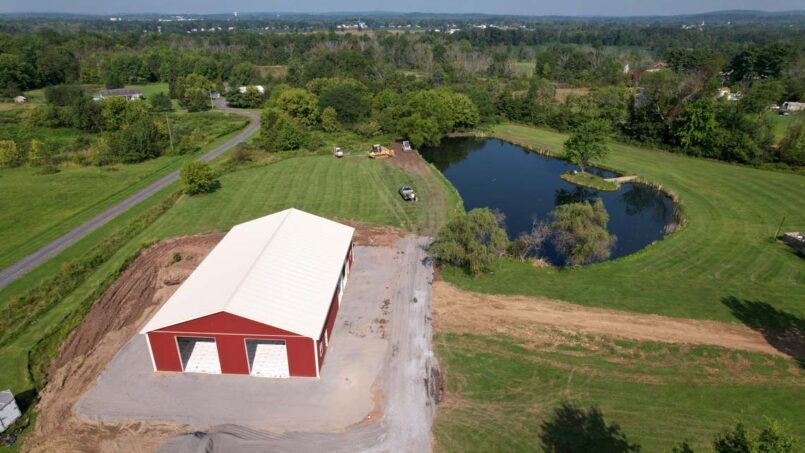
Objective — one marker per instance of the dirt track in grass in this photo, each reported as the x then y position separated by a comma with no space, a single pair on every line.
461,311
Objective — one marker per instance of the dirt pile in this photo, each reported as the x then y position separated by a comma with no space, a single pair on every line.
113,320
461,311
374,236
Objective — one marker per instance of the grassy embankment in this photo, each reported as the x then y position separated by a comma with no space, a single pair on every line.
726,253
38,208
590,180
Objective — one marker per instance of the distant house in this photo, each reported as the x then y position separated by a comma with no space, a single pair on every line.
20,99
726,93
259,88
794,106
657,67
129,94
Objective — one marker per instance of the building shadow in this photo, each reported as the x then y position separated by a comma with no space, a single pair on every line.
573,429
782,330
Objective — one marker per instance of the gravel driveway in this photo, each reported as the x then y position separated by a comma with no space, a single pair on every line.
372,396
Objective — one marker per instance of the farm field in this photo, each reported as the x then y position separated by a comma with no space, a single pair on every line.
38,208
501,388
725,265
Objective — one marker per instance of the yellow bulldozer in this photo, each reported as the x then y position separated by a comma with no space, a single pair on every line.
380,152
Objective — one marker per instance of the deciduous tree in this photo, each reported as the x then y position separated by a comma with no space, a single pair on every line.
579,232
473,241
587,143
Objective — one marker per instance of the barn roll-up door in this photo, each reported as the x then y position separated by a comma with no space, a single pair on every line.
267,358
199,355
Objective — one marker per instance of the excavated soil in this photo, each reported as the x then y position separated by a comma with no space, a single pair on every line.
113,320
374,236
461,311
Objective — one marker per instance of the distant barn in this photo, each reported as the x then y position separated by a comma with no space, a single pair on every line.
263,302
129,94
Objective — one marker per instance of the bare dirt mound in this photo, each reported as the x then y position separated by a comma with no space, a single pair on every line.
374,236
112,321
461,311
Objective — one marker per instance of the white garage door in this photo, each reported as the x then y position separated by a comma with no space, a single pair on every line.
199,355
267,358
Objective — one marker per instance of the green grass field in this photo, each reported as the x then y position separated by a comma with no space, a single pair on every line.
726,251
352,188
500,389
40,208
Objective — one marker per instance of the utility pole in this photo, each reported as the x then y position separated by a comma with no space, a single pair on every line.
170,134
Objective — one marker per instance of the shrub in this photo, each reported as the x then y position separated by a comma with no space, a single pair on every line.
580,233
329,120
198,177
473,241
240,156
773,438
10,154
138,142
369,129
160,102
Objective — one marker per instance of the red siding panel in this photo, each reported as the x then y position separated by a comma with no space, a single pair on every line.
301,358
232,354
323,349
224,322
165,351
330,324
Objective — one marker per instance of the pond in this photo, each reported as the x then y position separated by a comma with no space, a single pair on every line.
522,184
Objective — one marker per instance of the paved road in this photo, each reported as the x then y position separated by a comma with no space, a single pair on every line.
51,249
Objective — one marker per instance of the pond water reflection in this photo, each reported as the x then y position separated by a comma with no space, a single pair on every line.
522,184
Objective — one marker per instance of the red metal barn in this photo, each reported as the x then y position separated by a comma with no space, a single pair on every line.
263,302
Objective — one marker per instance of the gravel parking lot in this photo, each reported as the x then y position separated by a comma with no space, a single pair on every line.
371,394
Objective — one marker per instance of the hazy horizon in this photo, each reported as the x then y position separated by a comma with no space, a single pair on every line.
613,8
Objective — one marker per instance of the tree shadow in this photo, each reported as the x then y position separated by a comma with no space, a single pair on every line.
26,399
782,330
577,195
575,430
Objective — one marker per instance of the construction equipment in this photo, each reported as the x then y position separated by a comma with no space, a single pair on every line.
337,152
380,152
406,145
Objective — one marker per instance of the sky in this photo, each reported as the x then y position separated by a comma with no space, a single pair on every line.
523,7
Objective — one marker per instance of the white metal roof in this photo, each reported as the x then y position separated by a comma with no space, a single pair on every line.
280,270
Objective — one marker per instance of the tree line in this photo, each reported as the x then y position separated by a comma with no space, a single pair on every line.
403,78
